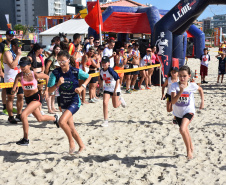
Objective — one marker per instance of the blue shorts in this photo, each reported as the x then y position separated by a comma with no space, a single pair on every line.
73,107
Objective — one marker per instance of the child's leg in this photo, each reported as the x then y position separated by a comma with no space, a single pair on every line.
31,107
53,103
186,136
115,101
105,105
218,78
222,76
75,134
169,106
63,123
146,78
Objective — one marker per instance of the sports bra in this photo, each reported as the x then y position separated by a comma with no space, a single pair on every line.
29,85
88,63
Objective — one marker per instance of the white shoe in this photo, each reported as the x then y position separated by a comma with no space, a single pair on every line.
123,103
95,99
31,115
92,101
105,124
42,112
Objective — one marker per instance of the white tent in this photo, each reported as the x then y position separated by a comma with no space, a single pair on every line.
70,27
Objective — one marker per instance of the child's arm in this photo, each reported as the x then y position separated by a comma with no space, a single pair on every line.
174,96
14,89
217,55
202,97
163,88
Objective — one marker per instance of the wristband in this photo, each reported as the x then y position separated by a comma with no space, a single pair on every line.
83,85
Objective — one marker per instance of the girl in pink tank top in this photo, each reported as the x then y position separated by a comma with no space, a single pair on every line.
28,80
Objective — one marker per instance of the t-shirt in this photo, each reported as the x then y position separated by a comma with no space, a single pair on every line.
109,77
186,103
222,63
205,60
108,52
49,48
67,89
88,46
71,49
146,59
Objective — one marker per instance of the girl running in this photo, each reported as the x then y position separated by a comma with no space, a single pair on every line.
66,79
182,98
28,80
172,77
111,88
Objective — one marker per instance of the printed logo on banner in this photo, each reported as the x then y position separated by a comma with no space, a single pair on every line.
183,10
161,43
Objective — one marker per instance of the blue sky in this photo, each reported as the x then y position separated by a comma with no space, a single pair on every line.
169,4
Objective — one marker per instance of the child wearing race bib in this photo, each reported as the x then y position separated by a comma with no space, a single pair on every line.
182,98
111,88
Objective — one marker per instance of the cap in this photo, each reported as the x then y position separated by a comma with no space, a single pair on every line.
105,59
15,42
38,46
112,38
10,32
25,62
174,69
148,49
130,46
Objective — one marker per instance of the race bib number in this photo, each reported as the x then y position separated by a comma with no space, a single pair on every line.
28,86
184,99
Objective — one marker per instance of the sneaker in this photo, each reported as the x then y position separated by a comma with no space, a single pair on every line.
133,90
42,112
105,123
128,92
12,120
175,121
205,82
14,110
148,88
95,99
57,119
31,115
92,101
123,103
18,118
5,112
141,88
23,142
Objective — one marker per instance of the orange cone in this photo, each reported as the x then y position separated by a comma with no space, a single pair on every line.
196,76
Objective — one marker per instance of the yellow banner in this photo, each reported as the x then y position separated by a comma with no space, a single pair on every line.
10,84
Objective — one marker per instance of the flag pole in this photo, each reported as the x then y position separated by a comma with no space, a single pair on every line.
100,34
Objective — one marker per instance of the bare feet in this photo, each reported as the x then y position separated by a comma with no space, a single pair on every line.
85,102
55,110
81,149
190,155
51,112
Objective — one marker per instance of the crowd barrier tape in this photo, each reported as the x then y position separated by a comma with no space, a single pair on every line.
10,84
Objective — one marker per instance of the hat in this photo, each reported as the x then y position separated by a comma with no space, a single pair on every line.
174,69
10,32
105,59
15,42
112,38
38,46
148,49
130,46
24,62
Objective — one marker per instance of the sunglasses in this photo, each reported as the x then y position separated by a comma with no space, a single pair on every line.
122,49
97,42
63,62
91,38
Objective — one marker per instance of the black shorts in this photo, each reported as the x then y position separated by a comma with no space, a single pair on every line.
20,91
35,97
2,80
168,97
188,116
135,72
130,67
221,71
111,93
58,101
93,79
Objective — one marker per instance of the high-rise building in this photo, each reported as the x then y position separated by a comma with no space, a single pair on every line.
206,24
25,11
219,21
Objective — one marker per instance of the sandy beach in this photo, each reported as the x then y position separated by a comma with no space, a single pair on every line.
140,146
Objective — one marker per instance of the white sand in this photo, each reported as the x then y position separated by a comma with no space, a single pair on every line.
140,146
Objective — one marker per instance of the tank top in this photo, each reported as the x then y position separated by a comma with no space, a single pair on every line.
169,85
29,85
153,57
10,74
